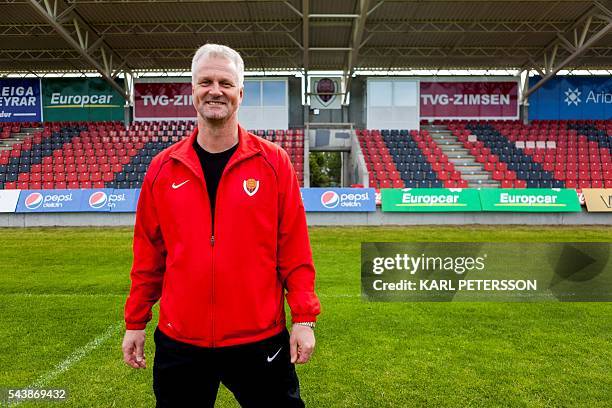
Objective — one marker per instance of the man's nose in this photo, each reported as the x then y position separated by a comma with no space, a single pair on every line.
215,89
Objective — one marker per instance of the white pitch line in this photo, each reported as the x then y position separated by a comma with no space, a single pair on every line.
75,357
338,295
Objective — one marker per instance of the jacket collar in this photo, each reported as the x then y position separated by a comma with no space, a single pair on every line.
248,146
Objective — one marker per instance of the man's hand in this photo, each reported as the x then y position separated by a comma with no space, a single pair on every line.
302,343
133,348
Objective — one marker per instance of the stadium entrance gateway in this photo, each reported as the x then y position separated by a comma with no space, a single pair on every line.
331,156
325,169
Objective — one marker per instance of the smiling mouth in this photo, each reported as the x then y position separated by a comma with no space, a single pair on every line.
215,103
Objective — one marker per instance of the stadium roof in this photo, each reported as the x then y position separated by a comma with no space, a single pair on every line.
111,36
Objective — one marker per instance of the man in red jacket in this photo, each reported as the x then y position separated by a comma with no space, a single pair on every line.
221,239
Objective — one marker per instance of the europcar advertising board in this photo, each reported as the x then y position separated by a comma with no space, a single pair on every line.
83,99
339,199
430,200
469,99
163,99
530,200
572,97
20,100
49,201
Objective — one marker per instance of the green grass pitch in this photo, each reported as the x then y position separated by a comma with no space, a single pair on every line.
62,293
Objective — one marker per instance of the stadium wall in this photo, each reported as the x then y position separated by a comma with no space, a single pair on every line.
377,218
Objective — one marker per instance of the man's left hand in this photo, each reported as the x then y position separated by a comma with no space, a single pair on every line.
302,343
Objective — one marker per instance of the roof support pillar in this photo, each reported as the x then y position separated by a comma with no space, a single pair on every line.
305,54
579,48
358,29
575,40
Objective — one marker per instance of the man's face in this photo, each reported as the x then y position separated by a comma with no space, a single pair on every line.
217,93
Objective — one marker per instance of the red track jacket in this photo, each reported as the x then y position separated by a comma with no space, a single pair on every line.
221,286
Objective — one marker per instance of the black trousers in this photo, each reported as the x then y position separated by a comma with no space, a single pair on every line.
259,374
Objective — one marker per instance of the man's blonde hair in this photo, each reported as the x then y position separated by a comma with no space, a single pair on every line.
217,50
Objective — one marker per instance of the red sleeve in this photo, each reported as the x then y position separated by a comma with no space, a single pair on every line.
149,260
294,254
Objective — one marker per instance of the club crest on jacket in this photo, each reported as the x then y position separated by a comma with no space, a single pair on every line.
250,186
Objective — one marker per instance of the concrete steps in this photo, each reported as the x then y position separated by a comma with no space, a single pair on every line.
471,170
7,144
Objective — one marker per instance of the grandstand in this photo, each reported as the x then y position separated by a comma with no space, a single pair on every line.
458,154
85,155
426,150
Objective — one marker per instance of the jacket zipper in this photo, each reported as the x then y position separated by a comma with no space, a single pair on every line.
212,287
212,240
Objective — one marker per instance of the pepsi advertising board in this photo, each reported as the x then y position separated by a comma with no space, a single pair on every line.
49,201
339,199
98,200
109,200
20,100
572,97
124,200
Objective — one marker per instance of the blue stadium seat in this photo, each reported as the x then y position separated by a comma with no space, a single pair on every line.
533,184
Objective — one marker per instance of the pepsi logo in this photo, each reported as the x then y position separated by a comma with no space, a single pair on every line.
98,199
33,201
330,199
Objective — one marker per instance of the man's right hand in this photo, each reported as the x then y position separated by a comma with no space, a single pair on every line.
133,348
